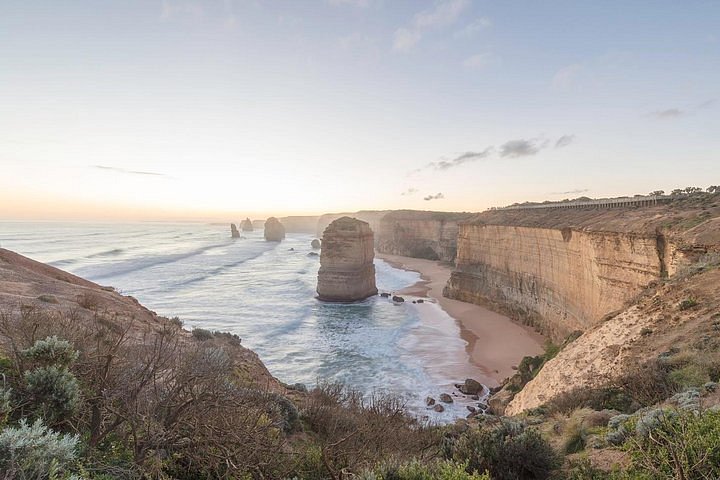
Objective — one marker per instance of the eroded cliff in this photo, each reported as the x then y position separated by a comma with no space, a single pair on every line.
563,270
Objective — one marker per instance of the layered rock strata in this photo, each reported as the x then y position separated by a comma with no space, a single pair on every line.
347,272
274,230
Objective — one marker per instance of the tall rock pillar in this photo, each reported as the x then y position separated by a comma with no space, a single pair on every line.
347,272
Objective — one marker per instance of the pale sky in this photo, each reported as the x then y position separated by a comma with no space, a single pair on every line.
219,109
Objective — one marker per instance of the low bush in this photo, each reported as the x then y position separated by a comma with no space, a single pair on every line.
415,470
506,449
202,334
35,452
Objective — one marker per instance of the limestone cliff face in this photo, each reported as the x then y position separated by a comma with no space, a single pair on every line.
347,272
429,235
274,230
559,280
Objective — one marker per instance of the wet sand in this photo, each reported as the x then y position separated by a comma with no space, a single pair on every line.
495,343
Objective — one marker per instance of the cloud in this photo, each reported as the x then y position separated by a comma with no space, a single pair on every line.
459,160
669,113
174,8
471,29
567,76
444,13
129,172
404,39
352,3
410,191
707,104
521,148
478,61
564,141
438,196
571,192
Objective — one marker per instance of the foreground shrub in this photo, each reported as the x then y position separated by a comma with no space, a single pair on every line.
508,450
51,351
35,452
415,470
681,444
54,390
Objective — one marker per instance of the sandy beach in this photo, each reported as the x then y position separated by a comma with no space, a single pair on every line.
495,343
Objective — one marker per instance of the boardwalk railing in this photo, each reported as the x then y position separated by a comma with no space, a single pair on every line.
602,203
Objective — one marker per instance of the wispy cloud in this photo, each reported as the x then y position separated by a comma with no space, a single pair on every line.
128,172
443,14
564,141
476,62
460,159
473,28
521,148
567,76
180,8
668,113
410,191
571,192
707,104
353,3
437,196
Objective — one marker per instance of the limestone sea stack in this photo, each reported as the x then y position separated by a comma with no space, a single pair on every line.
246,225
274,230
315,244
347,272
234,231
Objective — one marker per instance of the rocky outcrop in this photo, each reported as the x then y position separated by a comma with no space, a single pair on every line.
234,231
420,234
274,230
246,225
315,243
347,272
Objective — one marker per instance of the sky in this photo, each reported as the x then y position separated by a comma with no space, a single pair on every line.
218,109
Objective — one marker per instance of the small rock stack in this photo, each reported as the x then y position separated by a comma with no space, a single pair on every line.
246,225
347,272
234,231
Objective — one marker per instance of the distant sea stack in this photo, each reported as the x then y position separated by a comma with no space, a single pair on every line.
234,231
274,230
246,225
315,244
347,272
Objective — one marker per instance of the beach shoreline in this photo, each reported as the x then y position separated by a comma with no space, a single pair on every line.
495,343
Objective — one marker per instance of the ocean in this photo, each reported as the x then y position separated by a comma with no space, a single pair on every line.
265,293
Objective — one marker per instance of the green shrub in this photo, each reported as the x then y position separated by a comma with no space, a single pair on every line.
689,376
415,470
687,304
35,452
508,450
54,390
51,351
682,445
202,334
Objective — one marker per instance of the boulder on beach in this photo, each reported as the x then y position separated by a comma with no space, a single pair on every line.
397,299
347,271
439,408
315,243
274,230
313,254
246,225
470,387
385,295
429,401
446,398
234,231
